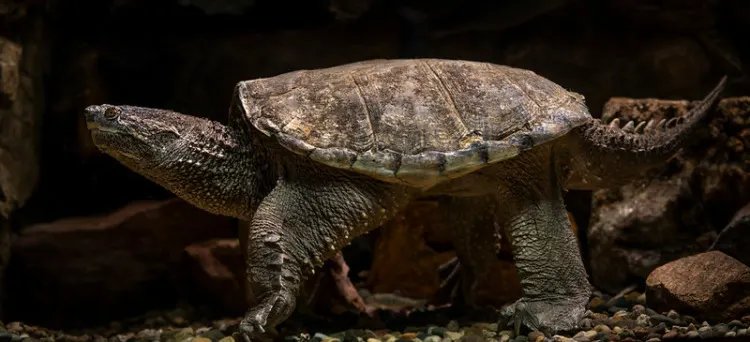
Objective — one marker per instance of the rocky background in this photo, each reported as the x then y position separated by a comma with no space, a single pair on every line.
84,241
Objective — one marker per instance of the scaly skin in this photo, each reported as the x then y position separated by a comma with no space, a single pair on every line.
302,212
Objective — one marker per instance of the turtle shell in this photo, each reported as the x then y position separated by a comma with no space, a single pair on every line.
412,121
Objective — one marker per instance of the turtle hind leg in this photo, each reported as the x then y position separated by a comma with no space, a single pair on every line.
545,250
308,217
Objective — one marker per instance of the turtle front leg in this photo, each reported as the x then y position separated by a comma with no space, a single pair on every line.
305,220
545,250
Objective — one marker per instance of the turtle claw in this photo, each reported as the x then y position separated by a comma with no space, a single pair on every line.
251,328
548,317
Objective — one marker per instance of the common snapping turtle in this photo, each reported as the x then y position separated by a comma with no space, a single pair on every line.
313,158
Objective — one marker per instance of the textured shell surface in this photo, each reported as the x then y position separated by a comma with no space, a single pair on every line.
413,121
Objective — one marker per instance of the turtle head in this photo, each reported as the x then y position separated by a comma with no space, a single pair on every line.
138,137
202,161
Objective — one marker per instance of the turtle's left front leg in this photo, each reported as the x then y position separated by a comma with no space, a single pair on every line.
306,219
545,250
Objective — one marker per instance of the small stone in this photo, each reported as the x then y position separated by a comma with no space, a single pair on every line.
534,336
213,334
504,338
641,299
560,338
408,336
439,331
671,334
654,339
742,332
736,324
653,335
431,338
453,326
626,324
705,332
664,319
581,337
730,334
200,339
691,327
721,328
227,339
445,339
638,310
641,332
659,328
744,319
693,334
455,336
586,323
508,333
673,315
601,328
617,330
643,320
14,327
521,338
598,316
689,319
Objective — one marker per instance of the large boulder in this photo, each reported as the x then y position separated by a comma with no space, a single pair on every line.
94,269
711,286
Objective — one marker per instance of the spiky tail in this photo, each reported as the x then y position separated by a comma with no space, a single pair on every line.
610,155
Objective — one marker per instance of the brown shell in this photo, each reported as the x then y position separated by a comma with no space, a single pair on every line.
415,121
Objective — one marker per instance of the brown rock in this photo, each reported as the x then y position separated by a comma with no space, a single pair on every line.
96,268
401,239
711,286
10,65
215,268
663,216
19,113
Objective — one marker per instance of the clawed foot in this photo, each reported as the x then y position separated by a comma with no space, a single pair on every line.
251,328
547,316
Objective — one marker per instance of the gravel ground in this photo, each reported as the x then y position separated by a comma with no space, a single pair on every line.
621,318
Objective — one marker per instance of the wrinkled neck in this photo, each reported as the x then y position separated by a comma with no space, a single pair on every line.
212,169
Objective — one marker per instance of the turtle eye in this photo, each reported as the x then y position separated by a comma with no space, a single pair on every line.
111,113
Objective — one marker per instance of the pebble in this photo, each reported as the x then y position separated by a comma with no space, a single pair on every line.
736,324
643,320
454,335
431,338
536,336
653,339
721,328
521,338
671,334
742,332
693,334
705,332
504,338
638,310
453,326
